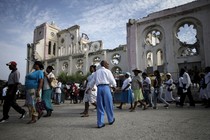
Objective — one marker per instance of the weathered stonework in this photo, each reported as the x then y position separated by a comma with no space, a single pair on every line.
153,42
68,51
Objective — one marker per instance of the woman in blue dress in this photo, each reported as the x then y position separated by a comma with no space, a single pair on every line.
126,96
33,85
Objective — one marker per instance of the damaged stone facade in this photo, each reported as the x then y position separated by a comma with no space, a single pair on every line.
70,52
171,39
166,40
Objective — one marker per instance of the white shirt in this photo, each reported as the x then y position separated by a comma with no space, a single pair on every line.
94,89
169,82
186,79
126,82
58,88
103,76
146,83
90,78
46,84
180,81
4,91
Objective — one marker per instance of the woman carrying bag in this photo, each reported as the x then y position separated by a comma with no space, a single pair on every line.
47,90
33,85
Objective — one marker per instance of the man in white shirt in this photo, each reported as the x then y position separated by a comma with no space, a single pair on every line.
103,78
58,92
186,82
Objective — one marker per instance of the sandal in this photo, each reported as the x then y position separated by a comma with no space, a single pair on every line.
132,110
31,121
85,115
83,112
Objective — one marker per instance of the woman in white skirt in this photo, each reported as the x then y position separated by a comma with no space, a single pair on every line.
168,93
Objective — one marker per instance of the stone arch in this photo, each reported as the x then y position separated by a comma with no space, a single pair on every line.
115,59
160,56
79,64
149,59
96,60
65,66
153,35
54,49
153,63
184,47
49,47
116,70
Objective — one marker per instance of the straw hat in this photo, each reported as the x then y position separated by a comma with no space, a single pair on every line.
136,69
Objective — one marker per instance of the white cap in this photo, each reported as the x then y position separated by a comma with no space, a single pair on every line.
128,73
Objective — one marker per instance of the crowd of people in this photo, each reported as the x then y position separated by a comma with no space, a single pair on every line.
153,91
98,89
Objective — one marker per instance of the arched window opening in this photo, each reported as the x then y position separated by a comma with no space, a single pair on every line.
159,57
115,60
54,48
59,51
153,38
79,64
116,70
65,66
149,59
62,50
187,35
49,47
187,51
96,60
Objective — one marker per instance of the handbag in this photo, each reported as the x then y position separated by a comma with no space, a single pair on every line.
40,106
54,83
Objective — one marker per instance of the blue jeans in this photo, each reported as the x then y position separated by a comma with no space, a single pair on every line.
158,95
104,104
57,98
148,97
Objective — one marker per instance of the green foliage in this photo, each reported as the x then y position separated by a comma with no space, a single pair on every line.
77,78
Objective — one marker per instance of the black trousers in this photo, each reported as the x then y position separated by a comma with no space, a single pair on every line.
10,101
189,94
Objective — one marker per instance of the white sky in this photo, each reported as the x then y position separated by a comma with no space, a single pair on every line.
100,20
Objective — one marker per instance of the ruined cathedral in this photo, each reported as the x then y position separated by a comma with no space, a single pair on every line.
166,40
